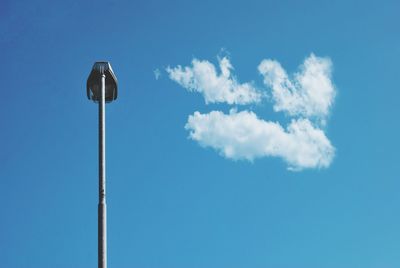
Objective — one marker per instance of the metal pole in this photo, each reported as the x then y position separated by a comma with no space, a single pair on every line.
102,213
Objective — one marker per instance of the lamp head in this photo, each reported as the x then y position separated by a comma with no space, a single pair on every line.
93,84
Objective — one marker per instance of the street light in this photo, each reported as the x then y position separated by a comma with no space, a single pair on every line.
101,87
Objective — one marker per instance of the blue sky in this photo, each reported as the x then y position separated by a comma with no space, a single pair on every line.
172,202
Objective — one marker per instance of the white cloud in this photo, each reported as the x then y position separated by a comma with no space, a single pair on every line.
202,77
157,73
306,96
309,93
241,135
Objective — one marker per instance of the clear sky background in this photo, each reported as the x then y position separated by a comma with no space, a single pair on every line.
172,203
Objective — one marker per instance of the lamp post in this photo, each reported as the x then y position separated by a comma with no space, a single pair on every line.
101,88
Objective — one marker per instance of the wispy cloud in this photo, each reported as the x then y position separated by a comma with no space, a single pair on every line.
306,97
157,73
309,93
216,87
242,135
